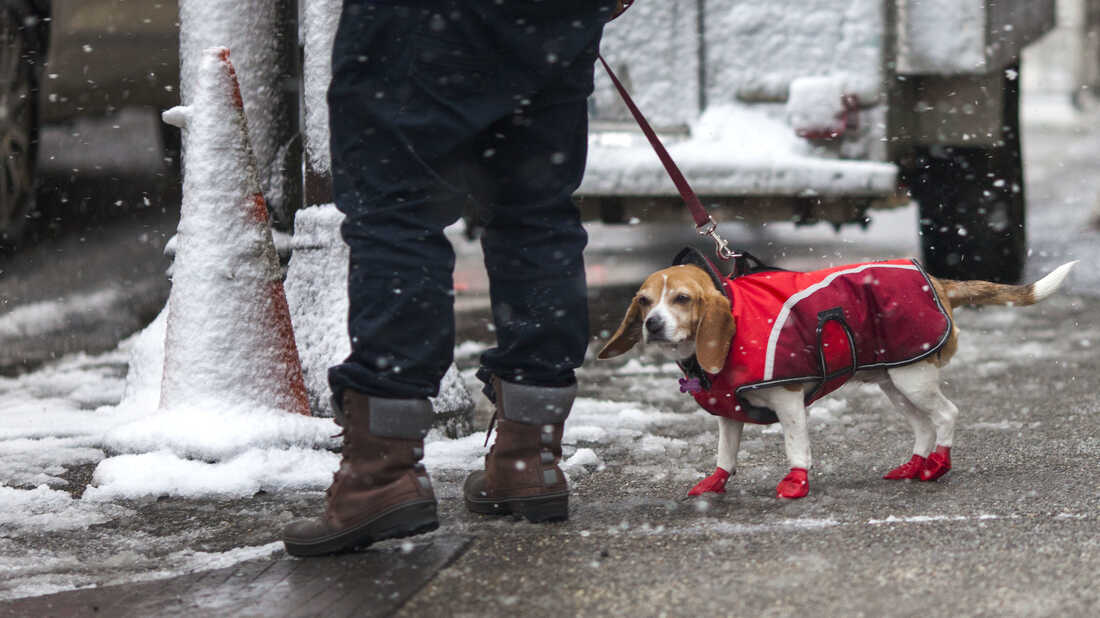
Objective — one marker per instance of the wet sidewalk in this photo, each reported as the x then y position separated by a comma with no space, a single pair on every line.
370,583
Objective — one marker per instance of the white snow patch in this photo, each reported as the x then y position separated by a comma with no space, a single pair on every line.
710,526
48,510
34,462
583,433
661,445
216,431
41,572
206,561
1002,425
635,366
469,349
721,161
581,460
163,473
461,454
923,519
55,315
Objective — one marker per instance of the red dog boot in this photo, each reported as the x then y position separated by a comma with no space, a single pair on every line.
908,470
715,483
794,485
937,464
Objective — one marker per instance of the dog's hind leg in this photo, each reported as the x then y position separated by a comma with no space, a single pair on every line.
924,433
920,384
729,442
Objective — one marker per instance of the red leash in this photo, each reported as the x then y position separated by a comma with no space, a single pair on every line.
704,223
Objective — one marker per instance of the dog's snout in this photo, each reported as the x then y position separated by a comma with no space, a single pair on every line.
654,324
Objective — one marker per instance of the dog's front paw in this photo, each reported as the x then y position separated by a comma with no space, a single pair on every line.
715,483
908,470
937,464
794,485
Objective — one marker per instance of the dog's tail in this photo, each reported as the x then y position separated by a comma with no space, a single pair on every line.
987,293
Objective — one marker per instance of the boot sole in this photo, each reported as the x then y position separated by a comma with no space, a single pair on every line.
397,523
535,509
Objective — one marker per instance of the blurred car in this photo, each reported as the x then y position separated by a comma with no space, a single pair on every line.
62,59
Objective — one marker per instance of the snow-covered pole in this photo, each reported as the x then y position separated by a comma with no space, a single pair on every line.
263,38
229,338
319,21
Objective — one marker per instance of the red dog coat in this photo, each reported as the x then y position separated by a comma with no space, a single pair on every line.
822,327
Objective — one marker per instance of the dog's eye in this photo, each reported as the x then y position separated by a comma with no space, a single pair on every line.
643,301
682,298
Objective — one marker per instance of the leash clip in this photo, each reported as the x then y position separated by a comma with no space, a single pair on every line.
721,247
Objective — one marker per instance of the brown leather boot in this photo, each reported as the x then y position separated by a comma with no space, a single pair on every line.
521,475
380,491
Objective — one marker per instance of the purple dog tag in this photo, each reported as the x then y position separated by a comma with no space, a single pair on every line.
690,385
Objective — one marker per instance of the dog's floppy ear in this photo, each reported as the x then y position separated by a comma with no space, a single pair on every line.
630,331
714,333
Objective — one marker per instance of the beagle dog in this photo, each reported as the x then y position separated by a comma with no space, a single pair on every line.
682,312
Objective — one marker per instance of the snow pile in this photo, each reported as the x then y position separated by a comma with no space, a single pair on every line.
229,339
164,473
231,376
243,448
218,433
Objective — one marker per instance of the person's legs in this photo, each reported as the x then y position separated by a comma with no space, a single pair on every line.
412,88
401,126
533,244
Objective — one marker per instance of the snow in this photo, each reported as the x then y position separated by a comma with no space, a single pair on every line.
42,572
941,36
734,149
163,473
238,350
215,433
48,510
595,421
663,78
254,50
42,461
319,21
53,315
581,460
468,349
815,105
753,51
923,519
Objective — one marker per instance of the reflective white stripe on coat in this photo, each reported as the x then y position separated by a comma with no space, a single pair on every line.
785,312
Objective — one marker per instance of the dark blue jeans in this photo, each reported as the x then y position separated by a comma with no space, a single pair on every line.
436,104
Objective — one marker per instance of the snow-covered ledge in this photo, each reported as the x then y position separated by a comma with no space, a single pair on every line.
733,150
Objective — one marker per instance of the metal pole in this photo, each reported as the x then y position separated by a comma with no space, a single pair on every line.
287,118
